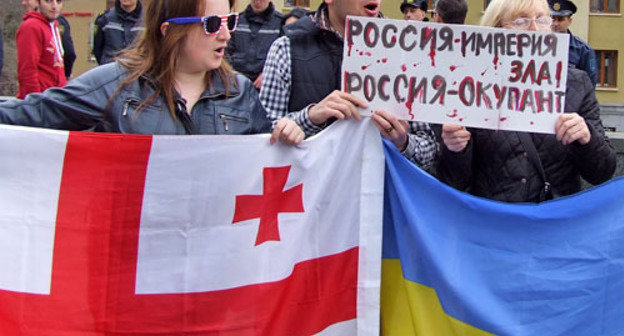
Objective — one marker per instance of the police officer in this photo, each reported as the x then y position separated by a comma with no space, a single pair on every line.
581,55
258,26
116,28
414,10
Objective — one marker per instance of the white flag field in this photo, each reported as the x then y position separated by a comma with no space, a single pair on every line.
190,235
457,74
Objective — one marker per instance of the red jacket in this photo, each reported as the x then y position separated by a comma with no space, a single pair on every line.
39,55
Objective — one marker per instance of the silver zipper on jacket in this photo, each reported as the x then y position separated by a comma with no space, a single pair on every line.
225,119
127,105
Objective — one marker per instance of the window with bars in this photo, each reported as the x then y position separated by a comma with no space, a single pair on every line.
604,6
607,68
297,3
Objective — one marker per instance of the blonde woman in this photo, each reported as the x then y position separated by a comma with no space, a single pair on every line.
524,167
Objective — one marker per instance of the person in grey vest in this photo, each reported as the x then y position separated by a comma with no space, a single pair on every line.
302,81
115,29
259,25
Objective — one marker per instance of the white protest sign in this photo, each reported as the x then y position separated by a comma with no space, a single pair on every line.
472,76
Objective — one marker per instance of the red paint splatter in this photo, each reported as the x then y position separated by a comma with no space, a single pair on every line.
384,60
378,61
344,81
453,67
361,53
558,74
461,119
347,37
408,104
364,67
368,54
454,82
404,67
503,119
416,64
484,71
532,123
432,55
452,115
495,62
456,40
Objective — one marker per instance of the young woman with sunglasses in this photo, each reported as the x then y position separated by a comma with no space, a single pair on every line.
524,167
174,80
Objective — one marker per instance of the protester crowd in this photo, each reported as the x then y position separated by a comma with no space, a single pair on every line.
194,67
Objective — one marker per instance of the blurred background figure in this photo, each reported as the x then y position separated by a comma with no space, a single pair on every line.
581,55
39,50
414,10
450,11
294,15
116,28
259,25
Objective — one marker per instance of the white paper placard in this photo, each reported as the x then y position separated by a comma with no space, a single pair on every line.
467,75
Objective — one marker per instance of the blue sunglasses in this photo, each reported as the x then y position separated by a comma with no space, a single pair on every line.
212,23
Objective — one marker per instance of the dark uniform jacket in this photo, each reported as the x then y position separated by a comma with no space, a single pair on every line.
498,164
252,39
115,30
583,57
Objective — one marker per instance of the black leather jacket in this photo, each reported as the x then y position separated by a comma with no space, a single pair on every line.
85,103
497,164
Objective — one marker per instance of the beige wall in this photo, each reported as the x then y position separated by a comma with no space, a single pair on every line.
81,14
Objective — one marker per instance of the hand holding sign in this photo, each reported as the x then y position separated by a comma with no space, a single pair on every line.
571,127
455,137
339,105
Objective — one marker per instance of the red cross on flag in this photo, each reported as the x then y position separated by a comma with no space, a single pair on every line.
104,234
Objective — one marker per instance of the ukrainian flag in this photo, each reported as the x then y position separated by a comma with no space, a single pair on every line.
461,265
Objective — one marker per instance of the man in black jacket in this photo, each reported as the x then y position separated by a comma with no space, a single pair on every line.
302,80
115,29
258,26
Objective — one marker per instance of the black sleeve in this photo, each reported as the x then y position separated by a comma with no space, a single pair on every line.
455,169
98,38
68,45
596,160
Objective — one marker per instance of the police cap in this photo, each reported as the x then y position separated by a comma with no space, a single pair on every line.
561,7
422,4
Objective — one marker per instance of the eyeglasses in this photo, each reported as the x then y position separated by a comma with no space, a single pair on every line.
525,23
212,23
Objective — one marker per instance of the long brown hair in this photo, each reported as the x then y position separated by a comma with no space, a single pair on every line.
156,55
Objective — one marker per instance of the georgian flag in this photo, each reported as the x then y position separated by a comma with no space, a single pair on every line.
109,234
